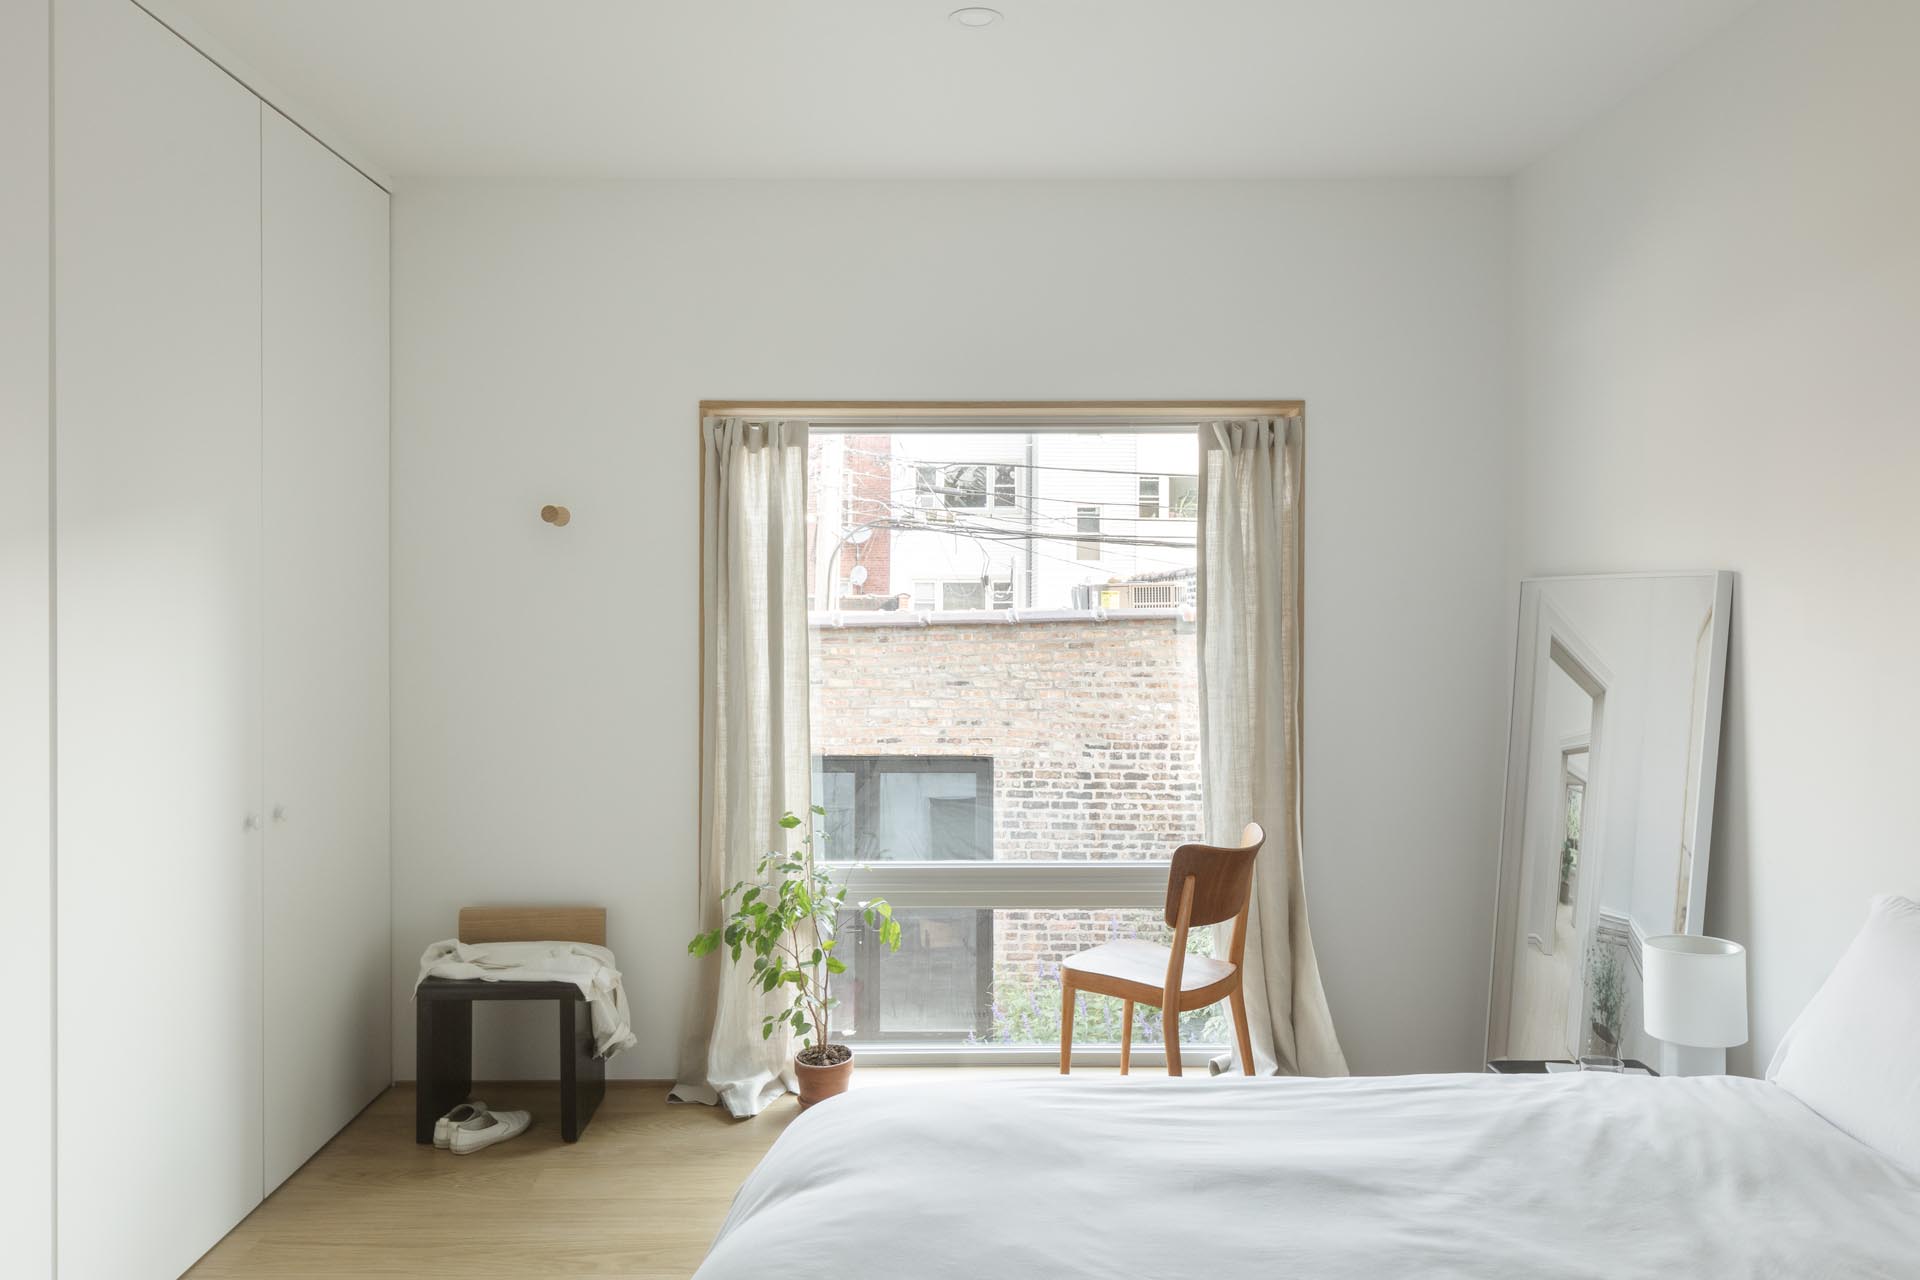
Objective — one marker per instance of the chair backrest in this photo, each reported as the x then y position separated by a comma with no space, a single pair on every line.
534,924
1222,878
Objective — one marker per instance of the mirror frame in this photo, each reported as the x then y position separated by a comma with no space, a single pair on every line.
1506,907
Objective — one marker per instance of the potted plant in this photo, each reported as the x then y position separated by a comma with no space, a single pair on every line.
787,921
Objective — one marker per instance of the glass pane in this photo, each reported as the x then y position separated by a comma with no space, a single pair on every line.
905,808
965,487
965,595
1088,521
1076,718
1183,496
969,976
1004,487
1149,497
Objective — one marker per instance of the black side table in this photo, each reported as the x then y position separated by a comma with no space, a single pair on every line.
1538,1066
443,1052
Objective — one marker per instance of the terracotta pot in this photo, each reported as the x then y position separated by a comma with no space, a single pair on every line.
820,1083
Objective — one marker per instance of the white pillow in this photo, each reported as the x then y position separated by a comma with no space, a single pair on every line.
1853,1055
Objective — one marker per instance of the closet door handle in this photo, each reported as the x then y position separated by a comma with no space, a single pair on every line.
250,823
279,813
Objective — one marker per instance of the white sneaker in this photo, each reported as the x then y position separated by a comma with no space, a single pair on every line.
493,1126
465,1114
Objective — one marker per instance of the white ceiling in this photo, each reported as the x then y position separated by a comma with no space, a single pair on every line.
891,88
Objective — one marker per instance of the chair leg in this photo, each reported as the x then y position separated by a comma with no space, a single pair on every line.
1126,1037
1170,1032
1066,1025
1238,1002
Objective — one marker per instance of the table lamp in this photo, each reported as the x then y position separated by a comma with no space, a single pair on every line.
1695,1001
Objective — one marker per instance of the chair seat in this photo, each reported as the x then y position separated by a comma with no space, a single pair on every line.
1145,964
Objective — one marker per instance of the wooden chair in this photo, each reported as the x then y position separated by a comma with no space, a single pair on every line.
443,1044
1204,886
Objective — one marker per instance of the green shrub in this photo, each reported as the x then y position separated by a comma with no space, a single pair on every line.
1026,1005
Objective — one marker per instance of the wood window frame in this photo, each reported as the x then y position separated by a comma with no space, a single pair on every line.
1139,884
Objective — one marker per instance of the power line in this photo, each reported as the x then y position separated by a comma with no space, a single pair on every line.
1017,466
912,520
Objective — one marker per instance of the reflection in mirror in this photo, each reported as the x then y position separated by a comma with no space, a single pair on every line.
1610,766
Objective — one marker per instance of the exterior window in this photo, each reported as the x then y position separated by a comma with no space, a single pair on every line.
921,809
963,595
1149,497
960,594
906,808
1087,522
1004,489
1169,497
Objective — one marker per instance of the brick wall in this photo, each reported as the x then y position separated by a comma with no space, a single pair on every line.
869,482
1093,727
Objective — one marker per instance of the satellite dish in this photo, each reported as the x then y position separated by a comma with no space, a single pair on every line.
859,575
860,536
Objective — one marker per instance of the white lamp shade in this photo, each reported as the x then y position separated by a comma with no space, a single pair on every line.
1696,990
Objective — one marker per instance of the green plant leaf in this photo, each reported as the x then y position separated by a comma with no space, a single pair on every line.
789,821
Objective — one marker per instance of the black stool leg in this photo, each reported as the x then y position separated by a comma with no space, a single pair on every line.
583,1077
443,1059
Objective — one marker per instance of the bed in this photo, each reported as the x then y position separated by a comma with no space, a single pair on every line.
1570,1175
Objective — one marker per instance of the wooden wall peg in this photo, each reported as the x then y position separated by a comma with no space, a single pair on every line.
555,515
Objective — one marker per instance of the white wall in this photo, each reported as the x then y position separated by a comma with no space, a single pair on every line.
1720,306
26,797
551,343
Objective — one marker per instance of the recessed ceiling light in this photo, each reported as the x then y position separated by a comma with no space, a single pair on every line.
975,16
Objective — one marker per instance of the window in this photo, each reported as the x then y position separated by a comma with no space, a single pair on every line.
922,809
1150,497
1088,522
961,593
970,594
911,808
1010,761
1169,497
966,487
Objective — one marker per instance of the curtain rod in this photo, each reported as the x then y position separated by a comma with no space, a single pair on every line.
986,426
1041,416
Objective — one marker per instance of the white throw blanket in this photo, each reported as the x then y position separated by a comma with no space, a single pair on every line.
586,966
1471,1177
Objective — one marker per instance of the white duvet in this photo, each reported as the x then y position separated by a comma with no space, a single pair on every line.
1574,1175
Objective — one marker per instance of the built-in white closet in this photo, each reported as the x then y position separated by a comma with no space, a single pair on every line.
328,969
220,641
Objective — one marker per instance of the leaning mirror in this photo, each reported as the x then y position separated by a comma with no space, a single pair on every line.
1611,752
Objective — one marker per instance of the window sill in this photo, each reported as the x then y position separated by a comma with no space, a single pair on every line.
989,883
1193,1057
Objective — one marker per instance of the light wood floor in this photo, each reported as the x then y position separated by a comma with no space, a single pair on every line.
639,1197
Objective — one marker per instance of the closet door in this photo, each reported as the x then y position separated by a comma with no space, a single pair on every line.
26,628
157,403
324,409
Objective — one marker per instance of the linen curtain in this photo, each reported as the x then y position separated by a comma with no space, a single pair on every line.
1249,569
753,731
